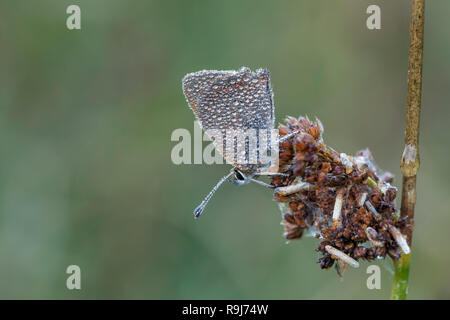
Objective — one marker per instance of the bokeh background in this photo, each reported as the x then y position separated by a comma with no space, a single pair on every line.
86,118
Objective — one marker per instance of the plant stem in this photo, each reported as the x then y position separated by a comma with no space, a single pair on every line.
410,159
400,285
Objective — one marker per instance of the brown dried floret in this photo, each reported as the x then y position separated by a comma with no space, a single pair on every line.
365,206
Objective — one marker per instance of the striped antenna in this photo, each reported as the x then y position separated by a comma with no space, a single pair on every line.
198,211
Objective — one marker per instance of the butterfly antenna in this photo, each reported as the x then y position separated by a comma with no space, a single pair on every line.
199,210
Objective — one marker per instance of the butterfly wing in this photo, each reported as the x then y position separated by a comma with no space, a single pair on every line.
230,100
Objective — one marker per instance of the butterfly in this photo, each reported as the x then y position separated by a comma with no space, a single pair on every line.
236,110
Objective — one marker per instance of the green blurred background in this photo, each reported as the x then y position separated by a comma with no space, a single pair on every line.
86,117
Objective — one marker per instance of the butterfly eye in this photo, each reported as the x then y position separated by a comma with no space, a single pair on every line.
239,176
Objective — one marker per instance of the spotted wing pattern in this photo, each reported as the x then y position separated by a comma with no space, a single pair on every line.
231,100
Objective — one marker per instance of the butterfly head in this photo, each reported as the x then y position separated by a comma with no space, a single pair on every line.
239,178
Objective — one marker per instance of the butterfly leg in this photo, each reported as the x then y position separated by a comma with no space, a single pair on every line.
262,183
271,174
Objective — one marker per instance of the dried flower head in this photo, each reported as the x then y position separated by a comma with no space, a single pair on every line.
345,201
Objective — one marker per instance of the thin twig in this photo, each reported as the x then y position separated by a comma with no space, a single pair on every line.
410,159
